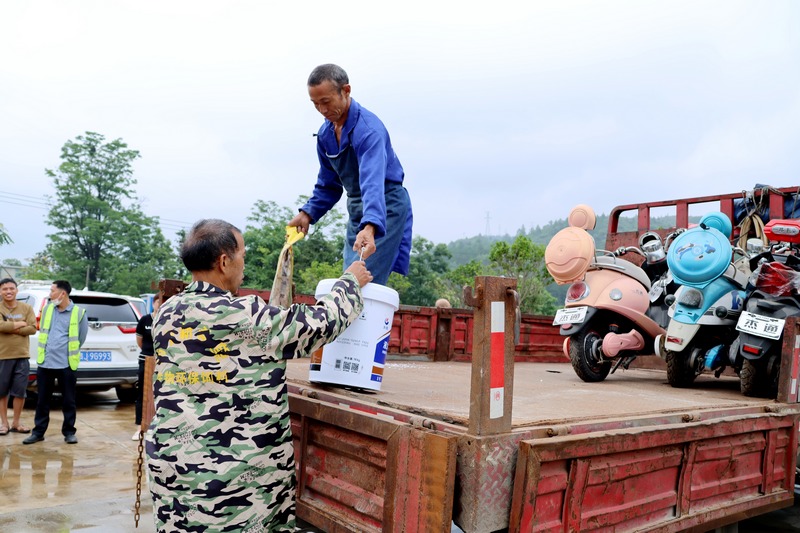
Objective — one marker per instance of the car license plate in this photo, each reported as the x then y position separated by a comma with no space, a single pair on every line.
95,357
571,315
762,326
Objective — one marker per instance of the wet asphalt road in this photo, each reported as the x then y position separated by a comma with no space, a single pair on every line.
52,486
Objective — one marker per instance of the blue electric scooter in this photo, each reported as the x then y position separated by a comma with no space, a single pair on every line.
704,310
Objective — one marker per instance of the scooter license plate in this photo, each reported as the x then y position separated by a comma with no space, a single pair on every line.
655,291
659,286
761,326
571,315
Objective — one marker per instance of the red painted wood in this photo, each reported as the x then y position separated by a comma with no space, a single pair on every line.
360,472
615,238
660,478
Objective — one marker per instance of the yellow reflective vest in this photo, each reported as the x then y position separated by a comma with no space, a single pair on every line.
74,341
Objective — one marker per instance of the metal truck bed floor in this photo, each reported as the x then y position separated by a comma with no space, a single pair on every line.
544,393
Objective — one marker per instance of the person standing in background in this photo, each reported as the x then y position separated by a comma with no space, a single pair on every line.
63,330
144,338
18,324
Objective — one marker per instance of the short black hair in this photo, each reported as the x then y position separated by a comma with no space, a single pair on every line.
63,285
206,242
329,72
7,280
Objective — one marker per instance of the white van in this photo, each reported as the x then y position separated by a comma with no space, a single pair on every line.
110,355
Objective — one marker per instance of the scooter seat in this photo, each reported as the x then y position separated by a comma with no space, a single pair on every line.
622,266
736,276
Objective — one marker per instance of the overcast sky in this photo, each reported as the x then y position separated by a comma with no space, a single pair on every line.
503,114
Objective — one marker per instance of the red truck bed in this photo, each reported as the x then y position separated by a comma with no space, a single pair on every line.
630,453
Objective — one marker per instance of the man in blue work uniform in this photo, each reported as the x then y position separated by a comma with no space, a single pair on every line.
62,330
356,155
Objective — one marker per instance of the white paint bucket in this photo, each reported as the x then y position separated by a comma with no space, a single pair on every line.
358,356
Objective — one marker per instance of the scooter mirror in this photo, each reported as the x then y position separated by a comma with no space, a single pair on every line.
754,246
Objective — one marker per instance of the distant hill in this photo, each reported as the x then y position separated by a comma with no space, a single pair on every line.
478,247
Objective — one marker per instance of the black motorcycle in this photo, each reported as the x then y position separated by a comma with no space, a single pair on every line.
773,296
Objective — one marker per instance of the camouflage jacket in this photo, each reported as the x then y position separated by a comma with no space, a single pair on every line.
220,454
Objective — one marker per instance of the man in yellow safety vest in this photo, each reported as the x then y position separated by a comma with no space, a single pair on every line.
62,330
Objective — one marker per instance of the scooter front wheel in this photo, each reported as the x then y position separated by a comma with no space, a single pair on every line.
585,355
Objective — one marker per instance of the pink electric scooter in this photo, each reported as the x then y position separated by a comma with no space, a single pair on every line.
610,303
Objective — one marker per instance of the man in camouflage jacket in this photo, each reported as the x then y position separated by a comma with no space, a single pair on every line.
220,453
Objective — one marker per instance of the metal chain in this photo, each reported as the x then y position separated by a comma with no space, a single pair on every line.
139,464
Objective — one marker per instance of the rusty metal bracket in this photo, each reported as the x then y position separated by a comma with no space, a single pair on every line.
473,299
517,313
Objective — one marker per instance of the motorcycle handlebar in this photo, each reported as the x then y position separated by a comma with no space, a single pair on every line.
622,250
671,236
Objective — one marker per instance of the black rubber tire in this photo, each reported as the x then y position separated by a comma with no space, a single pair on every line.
585,365
754,381
679,374
126,395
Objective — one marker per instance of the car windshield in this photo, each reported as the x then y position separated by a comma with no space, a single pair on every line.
106,309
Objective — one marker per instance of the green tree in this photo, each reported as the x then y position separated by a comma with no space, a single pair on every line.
40,266
524,261
103,239
424,283
307,279
319,254
462,276
145,246
5,238
263,241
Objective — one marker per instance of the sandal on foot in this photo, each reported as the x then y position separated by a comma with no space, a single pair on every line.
3,430
19,429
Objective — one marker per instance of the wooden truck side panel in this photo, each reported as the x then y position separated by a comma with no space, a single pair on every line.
659,478
359,472
428,334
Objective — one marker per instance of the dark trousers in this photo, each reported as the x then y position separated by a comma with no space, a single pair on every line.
45,383
139,392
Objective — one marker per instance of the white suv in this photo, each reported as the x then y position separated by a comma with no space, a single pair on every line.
110,355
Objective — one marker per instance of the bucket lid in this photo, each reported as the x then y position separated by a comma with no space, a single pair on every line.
568,255
698,256
371,291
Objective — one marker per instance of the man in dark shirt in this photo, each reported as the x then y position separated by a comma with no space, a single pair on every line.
144,338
